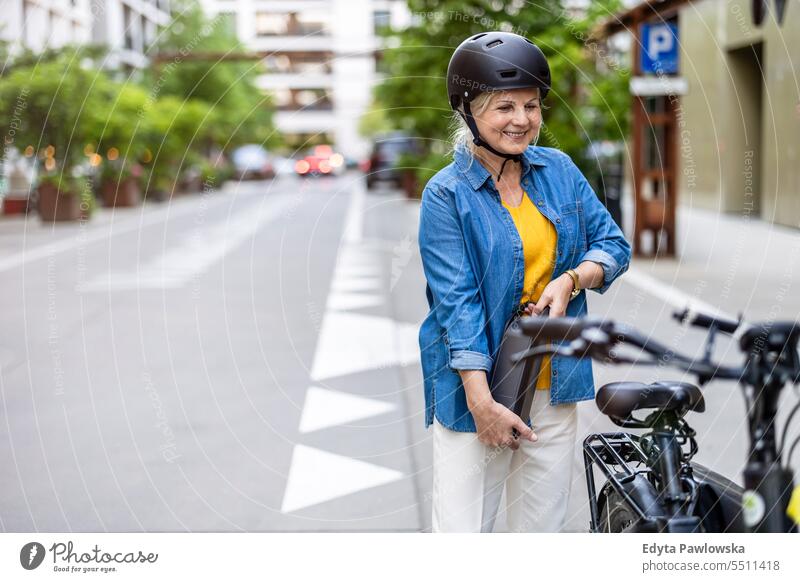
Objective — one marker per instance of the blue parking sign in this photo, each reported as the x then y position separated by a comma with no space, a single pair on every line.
659,51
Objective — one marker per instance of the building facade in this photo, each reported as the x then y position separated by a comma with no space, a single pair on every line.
38,24
321,61
126,27
736,104
742,108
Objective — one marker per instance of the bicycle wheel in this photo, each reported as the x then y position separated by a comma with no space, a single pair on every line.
616,516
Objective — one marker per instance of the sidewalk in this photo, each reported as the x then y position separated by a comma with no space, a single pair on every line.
735,264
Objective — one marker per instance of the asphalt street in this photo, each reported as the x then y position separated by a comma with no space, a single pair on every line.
246,359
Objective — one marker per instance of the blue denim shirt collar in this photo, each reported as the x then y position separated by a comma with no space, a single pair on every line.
476,174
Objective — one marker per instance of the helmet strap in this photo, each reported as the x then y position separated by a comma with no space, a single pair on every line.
480,142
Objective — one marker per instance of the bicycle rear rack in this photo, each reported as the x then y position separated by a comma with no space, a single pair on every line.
613,453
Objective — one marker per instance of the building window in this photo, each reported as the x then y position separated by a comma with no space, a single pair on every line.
305,99
300,63
381,19
149,33
272,24
127,22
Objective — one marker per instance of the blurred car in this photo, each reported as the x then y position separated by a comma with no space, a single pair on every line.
321,161
386,153
283,166
252,162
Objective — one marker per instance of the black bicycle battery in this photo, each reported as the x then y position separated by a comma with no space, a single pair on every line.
513,383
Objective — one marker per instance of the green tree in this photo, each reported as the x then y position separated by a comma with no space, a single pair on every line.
197,69
50,104
119,130
175,128
580,105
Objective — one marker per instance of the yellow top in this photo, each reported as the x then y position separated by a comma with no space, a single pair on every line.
539,242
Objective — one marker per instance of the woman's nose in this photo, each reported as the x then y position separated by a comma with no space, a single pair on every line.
520,116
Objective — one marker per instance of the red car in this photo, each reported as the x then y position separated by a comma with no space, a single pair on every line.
322,161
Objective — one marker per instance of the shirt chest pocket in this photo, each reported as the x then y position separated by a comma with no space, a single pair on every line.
574,228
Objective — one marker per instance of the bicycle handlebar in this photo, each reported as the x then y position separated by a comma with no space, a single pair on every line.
697,319
557,329
596,338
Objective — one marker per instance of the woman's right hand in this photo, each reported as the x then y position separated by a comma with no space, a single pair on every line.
496,423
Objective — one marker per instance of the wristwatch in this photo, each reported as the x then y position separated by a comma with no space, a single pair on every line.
576,283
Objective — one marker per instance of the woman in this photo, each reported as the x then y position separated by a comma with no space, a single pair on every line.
505,226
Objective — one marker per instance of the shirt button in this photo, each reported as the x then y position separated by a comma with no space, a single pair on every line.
558,221
539,203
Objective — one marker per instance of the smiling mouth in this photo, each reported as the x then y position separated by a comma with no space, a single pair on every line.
515,134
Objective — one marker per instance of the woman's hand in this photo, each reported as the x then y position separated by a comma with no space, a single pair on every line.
496,423
556,295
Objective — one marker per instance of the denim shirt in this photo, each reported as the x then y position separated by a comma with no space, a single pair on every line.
474,266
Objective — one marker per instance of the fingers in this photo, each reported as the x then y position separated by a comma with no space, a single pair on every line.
543,302
558,309
525,431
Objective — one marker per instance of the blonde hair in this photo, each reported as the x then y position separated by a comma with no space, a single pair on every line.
460,135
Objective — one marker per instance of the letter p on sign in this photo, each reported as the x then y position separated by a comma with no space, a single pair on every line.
660,41
659,54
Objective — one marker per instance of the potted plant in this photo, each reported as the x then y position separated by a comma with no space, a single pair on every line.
120,184
64,198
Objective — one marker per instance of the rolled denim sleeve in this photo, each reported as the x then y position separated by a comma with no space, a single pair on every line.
606,244
452,283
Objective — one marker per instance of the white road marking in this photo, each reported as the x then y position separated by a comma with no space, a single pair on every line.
367,270
324,408
342,301
670,295
194,255
351,342
357,284
316,476
354,224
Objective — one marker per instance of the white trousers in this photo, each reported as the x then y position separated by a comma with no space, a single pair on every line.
468,476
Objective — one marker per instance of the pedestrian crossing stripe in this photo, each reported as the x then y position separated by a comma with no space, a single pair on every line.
324,408
316,476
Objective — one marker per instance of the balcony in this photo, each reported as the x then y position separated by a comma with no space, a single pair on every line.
273,81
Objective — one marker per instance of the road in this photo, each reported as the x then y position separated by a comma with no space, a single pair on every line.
246,359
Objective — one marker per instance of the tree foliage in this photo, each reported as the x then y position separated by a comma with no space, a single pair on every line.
587,101
197,69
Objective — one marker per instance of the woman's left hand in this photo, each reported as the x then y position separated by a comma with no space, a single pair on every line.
555,295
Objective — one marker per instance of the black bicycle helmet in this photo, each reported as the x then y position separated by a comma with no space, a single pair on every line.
494,61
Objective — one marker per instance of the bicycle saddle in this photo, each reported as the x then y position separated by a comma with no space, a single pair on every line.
620,399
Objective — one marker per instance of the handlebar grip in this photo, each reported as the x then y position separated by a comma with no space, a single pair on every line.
556,329
699,319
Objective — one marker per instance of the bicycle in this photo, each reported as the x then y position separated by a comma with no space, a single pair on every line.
652,483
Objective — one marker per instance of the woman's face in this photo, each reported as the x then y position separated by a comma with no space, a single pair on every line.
511,120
